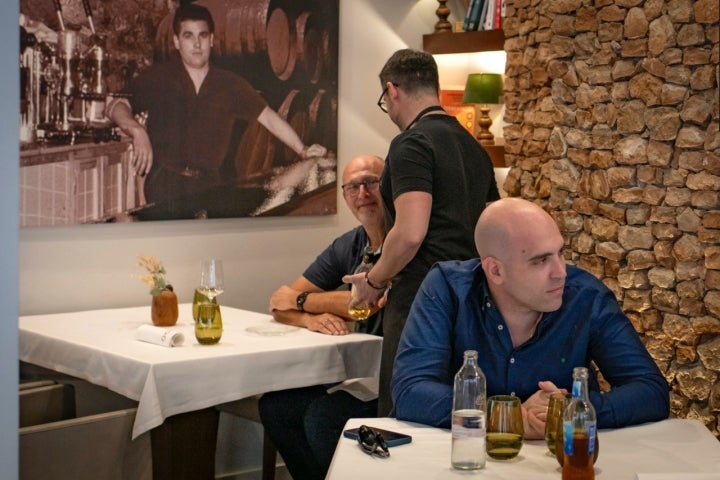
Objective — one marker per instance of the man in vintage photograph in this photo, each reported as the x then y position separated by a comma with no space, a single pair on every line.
181,114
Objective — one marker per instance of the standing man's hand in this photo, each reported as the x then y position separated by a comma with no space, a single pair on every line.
313,151
142,159
119,111
364,293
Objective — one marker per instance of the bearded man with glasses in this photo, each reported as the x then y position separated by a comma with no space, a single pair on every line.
436,182
305,423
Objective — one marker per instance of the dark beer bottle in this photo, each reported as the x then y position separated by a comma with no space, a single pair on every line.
579,430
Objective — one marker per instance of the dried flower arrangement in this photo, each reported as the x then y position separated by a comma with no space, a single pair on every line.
155,278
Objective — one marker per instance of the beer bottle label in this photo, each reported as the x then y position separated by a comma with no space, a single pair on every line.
568,438
591,439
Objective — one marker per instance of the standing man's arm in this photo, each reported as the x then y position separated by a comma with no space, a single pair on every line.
284,132
401,244
120,112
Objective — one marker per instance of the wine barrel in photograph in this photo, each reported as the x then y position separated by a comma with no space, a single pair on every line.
315,53
254,156
322,120
281,45
259,151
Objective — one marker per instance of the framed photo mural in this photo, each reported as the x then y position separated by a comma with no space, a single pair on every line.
117,125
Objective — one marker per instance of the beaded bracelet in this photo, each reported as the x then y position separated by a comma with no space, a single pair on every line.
367,280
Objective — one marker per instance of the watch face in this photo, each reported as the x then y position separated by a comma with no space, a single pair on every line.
301,301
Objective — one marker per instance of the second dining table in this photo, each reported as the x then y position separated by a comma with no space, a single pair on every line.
672,449
255,355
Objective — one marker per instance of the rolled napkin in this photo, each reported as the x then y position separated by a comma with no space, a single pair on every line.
167,337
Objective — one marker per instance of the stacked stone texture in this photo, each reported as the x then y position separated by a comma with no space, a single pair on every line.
612,112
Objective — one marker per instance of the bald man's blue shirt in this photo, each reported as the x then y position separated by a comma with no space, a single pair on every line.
453,312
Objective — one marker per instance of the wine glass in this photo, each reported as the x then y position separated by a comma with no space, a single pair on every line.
505,427
553,423
212,281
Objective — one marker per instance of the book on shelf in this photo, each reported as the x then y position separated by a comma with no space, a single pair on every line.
486,20
497,19
472,15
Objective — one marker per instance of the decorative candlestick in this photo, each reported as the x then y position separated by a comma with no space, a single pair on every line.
443,12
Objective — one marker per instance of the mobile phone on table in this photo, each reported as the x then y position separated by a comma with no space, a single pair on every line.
392,439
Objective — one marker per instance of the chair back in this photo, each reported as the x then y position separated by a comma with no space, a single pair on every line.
45,402
86,448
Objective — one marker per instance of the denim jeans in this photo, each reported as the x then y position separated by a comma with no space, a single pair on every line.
306,423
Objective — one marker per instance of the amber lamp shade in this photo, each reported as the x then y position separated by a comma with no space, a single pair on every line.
484,89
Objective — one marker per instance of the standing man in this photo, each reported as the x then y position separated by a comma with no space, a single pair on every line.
305,423
437,180
191,109
532,319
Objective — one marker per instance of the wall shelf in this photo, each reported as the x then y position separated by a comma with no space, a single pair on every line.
464,42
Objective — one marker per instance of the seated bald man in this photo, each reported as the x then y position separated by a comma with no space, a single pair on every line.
532,319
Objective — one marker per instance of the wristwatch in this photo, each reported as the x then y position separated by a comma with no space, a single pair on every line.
300,301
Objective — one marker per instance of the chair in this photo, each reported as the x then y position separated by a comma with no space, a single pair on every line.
86,448
34,384
44,402
247,408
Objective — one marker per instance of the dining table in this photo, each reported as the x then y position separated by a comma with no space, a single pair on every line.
671,449
254,355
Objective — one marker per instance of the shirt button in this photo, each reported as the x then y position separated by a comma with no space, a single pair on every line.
512,360
500,327
512,393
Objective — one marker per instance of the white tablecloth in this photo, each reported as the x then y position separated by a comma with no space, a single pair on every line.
679,449
100,347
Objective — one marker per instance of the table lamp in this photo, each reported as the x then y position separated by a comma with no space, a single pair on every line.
484,89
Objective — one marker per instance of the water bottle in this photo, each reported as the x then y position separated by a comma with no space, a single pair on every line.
579,431
469,416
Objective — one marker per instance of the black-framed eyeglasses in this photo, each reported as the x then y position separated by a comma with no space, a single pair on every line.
381,101
372,442
353,188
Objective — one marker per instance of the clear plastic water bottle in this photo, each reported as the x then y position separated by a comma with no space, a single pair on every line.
469,416
579,431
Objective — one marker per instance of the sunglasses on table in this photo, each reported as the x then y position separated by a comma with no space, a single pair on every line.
372,442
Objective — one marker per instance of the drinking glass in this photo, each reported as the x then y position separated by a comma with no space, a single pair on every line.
208,326
554,420
359,311
505,427
212,281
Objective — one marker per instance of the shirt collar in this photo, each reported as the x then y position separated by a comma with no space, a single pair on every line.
487,301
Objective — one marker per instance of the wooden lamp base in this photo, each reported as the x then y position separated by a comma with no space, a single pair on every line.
484,135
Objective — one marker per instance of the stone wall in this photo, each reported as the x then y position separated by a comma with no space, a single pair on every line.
612,113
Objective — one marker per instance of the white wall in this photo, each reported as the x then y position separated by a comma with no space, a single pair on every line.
94,266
